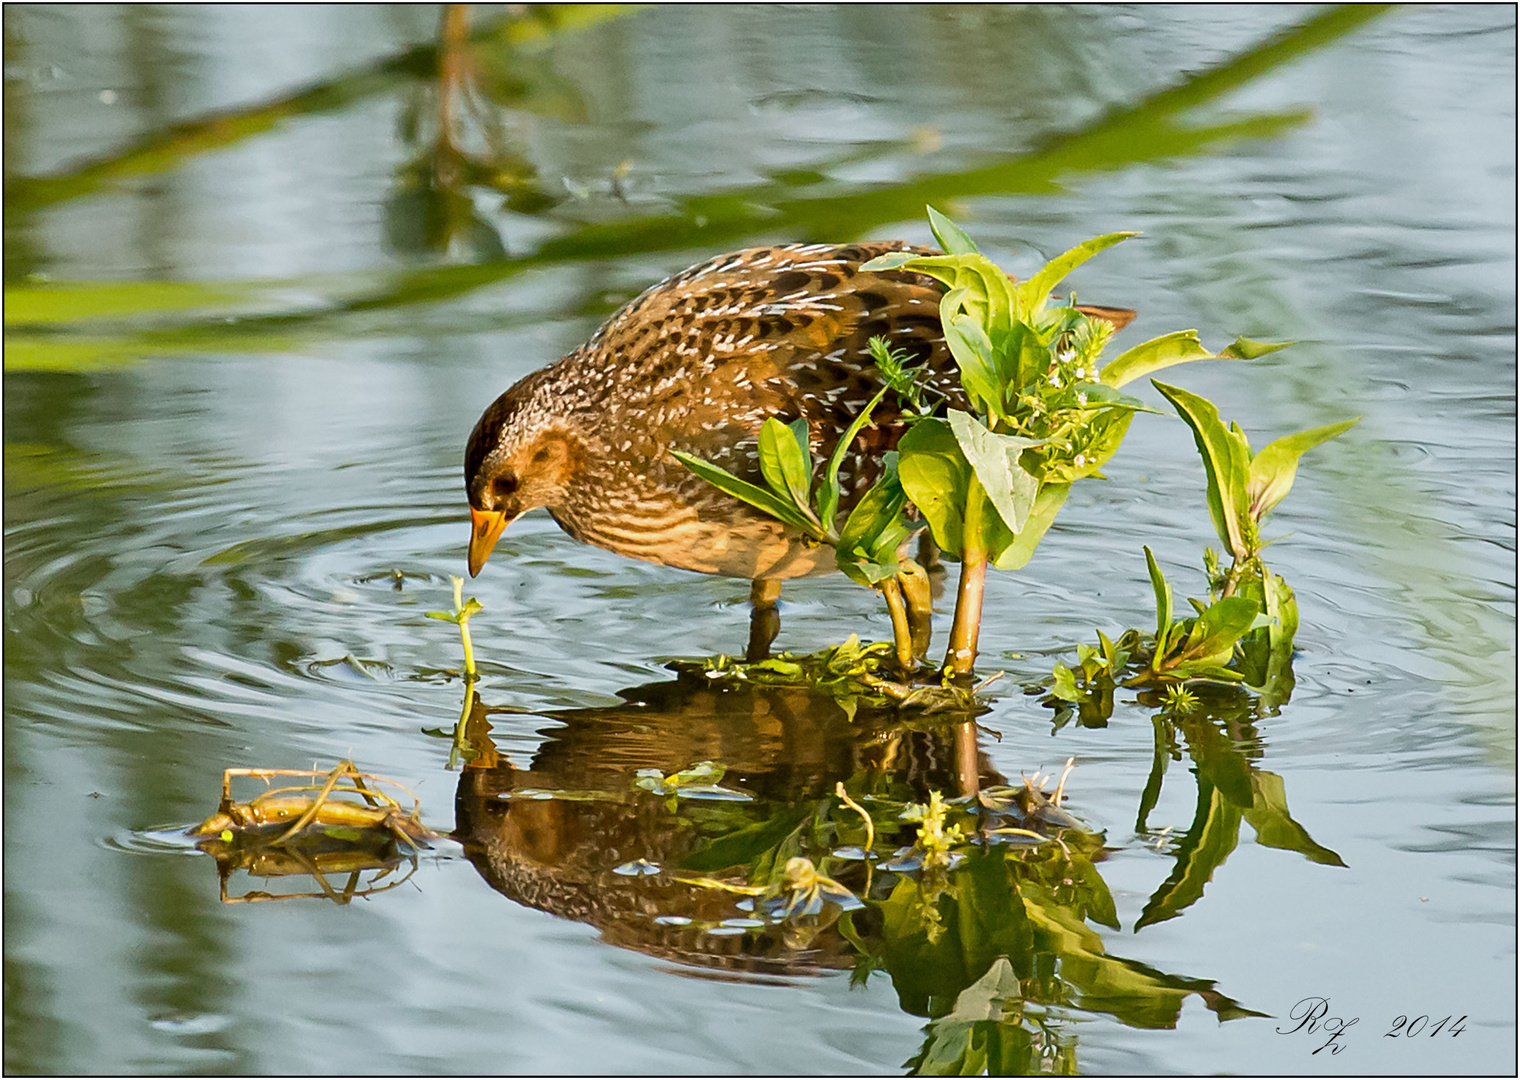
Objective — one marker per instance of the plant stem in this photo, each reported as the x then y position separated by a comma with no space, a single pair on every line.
960,658
902,637
469,651
967,774
464,629
459,749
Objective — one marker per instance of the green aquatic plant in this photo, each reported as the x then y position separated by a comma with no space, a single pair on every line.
866,543
853,673
1200,646
699,781
936,839
1206,646
460,617
1245,633
1044,412
1242,487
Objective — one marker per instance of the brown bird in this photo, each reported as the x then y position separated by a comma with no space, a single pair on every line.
697,363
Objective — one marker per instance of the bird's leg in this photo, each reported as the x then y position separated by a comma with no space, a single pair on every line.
902,637
913,580
764,619
928,552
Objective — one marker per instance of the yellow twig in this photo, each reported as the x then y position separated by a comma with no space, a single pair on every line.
1061,784
855,806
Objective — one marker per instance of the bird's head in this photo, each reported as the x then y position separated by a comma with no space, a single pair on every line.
519,457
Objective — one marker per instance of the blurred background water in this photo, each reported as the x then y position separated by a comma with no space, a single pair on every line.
255,302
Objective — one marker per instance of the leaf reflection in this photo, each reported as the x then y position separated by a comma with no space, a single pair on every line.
1153,129
992,943
1218,734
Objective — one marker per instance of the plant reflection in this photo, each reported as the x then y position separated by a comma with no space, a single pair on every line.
511,77
760,832
351,825
1217,730
459,122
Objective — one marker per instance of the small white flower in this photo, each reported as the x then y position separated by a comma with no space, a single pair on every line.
1055,380
1067,357
1080,459
1081,399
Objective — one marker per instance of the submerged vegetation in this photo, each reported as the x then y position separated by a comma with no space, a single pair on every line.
341,822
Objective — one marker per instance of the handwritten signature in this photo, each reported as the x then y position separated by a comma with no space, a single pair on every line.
1314,1020
1312,1014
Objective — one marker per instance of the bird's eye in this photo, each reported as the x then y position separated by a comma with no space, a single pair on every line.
504,486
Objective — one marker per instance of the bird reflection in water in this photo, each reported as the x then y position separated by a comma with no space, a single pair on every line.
808,841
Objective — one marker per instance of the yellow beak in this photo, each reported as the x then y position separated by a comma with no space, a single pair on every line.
485,527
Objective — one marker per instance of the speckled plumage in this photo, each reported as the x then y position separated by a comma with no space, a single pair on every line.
697,363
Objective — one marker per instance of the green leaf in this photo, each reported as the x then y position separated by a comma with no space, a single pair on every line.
1207,668
1180,347
1282,607
785,461
1113,658
975,283
1024,357
935,475
1163,603
892,260
1046,505
1032,294
1065,686
743,846
1107,433
868,543
744,491
1267,654
1272,470
1102,394
995,459
828,494
1246,349
973,355
1225,622
1226,460
951,239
